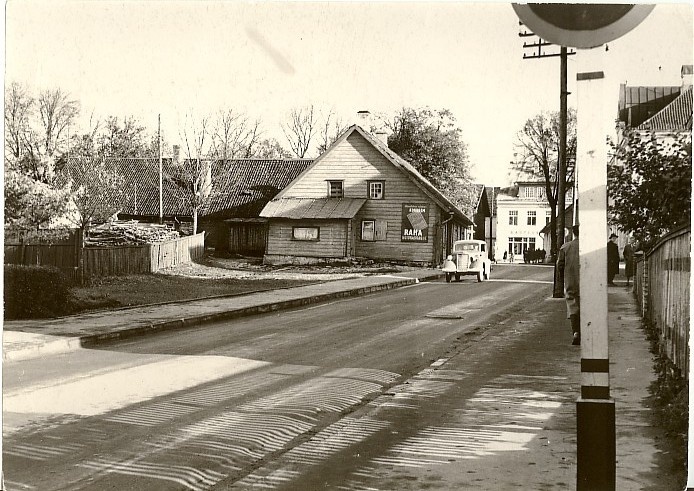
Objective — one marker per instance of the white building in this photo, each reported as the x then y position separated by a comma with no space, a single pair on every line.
520,218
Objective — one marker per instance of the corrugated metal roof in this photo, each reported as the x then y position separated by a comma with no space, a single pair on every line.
676,116
313,208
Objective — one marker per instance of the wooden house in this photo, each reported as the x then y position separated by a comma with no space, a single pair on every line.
361,200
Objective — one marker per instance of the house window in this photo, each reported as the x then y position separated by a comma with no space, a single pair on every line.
306,233
376,189
335,189
373,230
529,192
548,217
513,217
532,218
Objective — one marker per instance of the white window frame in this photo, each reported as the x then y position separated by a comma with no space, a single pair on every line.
373,193
365,233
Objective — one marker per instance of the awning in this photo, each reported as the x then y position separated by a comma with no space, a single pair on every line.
313,208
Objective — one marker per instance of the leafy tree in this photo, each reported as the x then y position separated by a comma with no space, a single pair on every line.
97,190
432,143
29,203
537,158
650,185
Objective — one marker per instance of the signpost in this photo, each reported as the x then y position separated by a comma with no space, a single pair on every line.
588,26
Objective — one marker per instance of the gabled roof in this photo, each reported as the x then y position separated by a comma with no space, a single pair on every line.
676,116
242,186
313,208
401,164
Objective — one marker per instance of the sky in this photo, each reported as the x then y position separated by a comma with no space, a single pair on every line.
172,58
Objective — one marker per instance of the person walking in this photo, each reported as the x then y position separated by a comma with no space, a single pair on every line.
568,262
628,254
612,259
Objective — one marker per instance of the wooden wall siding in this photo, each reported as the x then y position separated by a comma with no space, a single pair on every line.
667,301
393,248
247,238
355,161
332,242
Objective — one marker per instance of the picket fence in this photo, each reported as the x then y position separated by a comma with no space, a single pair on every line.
662,286
107,261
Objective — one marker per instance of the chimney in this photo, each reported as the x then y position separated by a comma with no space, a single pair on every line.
382,135
686,76
176,154
364,120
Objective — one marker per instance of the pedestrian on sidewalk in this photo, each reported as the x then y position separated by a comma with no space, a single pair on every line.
612,259
568,263
628,254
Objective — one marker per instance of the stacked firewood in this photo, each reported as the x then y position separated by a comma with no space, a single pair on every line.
123,233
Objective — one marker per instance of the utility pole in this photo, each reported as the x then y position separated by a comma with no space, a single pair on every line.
161,172
559,226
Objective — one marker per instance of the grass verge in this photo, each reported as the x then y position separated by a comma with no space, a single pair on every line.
127,291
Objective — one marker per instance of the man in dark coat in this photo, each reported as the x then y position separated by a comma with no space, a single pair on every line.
612,259
568,262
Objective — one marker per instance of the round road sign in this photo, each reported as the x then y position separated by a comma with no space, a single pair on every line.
581,25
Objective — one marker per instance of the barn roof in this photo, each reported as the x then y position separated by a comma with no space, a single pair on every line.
242,186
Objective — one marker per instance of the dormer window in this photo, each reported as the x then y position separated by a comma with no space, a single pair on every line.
335,189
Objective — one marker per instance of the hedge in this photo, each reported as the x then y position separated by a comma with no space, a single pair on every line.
32,292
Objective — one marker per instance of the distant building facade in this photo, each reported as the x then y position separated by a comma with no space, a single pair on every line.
521,215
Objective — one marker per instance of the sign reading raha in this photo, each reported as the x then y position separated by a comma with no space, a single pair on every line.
415,223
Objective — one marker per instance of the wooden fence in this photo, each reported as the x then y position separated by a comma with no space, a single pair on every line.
662,287
107,261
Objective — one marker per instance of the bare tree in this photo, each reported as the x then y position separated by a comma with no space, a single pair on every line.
18,107
234,135
192,177
331,128
48,138
537,157
300,130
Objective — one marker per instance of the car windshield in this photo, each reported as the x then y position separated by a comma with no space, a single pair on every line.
466,247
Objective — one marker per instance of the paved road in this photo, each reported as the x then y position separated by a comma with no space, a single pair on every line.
261,401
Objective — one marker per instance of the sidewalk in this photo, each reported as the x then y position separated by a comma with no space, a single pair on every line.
553,464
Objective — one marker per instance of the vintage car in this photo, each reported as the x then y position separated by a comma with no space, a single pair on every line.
469,257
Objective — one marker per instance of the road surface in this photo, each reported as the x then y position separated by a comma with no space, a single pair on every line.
323,397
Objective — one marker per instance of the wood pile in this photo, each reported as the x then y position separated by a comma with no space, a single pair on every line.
125,233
